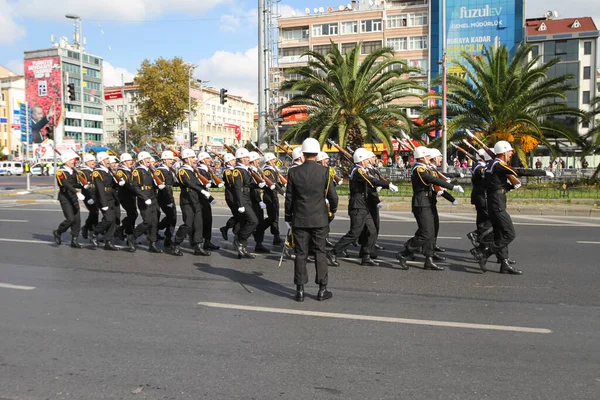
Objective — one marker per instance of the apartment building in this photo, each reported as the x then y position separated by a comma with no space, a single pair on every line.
12,94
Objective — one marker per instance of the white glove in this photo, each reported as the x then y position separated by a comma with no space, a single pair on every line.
393,188
242,209
284,195
262,185
448,180
148,202
221,185
378,188
262,205
440,193
518,185
162,186
458,189
461,175
289,226
122,182
327,201
80,196
170,205
549,174
205,193
455,203
379,205
208,185
213,202
340,181
90,201
104,208
86,186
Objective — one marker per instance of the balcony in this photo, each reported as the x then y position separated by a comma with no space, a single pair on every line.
393,4
292,60
286,42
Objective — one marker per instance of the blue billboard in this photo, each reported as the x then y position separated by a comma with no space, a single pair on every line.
473,24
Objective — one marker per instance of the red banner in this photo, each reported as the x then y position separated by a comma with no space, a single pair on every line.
238,130
300,113
113,95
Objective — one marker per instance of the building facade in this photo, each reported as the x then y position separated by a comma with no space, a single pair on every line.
12,94
119,105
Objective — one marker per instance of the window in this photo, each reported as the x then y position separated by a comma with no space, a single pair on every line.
397,43
74,108
421,64
586,97
535,51
72,122
74,81
347,47
418,19
110,121
91,72
370,25
325,29
295,34
587,48
561,47
396,21
92,85
369,47
349,27
70,68
293,51
322,49
93,124
587,72
92,110
417,42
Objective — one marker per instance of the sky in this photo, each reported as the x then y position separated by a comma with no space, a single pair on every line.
219,35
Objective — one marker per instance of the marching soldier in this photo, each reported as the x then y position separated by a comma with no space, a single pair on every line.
204,165
482,236
90,195
297,157
422,182
126,198
373,204
308,193
68,197
242,183
106,198
113,165
271,199
258,205
323,159
143,185
166,174
191,206
229,161
360,217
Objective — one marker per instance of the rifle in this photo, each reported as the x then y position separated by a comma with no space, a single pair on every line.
286,149
513,179
466,153
81,177
282,180
341,150
156,178
229,148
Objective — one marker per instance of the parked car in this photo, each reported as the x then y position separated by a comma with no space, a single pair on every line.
11,168
37,169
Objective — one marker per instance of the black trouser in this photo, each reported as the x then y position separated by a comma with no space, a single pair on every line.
231,222
504,233
436,222
92,219
128,223
108,224
425,235
484,224
360,218
248,221
192,223
71,211
149,220
207,221
363,240
169,221
259,232
313,239
272,220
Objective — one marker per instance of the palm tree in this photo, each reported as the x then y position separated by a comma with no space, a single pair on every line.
351,101
503,98
592,138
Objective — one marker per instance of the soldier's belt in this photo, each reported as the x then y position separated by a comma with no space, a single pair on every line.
245,190
108,189
146,187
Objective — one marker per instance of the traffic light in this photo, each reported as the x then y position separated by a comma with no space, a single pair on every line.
71,91
223,96
193,138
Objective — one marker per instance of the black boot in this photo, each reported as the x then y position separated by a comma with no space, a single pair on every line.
402,260
259,248
153,249
368,261
506,268
108,245
57,238
510,261
243,251
481,256
168,242
75,243
473,238
200,251
311,259
300,293
328,243
407,254
84,232
208,245
131,242
93,239
429,264
378,247
438,248
277,240
324,294
437,257
176,250
332,259
223,230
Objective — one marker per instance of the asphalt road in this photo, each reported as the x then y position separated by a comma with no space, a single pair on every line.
20,182
88,324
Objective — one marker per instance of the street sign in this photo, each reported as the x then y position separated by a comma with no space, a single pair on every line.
113,95
24,112
3,120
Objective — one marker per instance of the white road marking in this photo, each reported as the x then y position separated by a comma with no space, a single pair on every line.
358,317
400,236
585,242
25,241
14,220
9,286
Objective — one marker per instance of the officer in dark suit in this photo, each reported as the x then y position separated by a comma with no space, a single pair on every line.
308,193
243,183
423,181
166,201
126,198
144,187
89,191
229,164
68,197
106,198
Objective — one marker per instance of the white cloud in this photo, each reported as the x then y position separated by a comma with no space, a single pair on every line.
239,20
286,11
112,75
237,72
10,31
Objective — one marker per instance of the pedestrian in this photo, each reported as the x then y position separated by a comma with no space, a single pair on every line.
68,197
538,164
584,164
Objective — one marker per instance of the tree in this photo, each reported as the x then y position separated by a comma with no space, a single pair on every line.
508,99
136,133
162,97
351,101
592,138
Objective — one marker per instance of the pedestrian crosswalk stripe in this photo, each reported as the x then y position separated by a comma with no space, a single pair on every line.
19,287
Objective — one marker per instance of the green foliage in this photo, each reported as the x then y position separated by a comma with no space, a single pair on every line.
351,101
592,139
163,96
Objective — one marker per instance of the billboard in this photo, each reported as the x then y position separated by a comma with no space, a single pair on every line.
43,93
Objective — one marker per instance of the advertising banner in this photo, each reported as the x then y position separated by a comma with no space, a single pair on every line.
43,94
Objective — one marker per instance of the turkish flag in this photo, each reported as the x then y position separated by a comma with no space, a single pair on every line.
238,133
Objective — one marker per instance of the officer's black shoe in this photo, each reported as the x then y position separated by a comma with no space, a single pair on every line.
223,230
153,249
481,256
57,238
328,243
506,268
300,293
84,232
430,265
210,246
344,254
402,261
200,251
108,245
277,240
378,247
324,294
93,239
176,250
407,254
259,248
332,259
367,260
510,261
310,259
438,248
75,243
437,257
159,236
474,238
476,253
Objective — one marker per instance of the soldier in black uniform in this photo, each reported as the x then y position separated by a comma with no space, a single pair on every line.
360,217
68,197
229,165
166,174
144,187
89,191
106,198
271,199
113,166
307,212
422,182
127,199
497,183
204,165
373,204
323,159
191,209
243,183
258,205
481,237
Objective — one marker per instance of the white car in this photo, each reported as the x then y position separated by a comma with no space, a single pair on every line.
37,169
11,168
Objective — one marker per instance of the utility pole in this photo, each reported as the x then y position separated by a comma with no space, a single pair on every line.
78,40
124,112
262,109
444,93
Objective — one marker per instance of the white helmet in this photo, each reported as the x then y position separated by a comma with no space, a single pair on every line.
101,156
269,157
113,159
502,147
433,152
421,152
126,157
311,146
242,153
166,155
297,153
322,156
88,157
68,156
370,154
254,156
484,154
203,156
188,153
361,154
228,157
142,155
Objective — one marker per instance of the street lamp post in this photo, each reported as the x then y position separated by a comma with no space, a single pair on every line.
78,39
444,93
